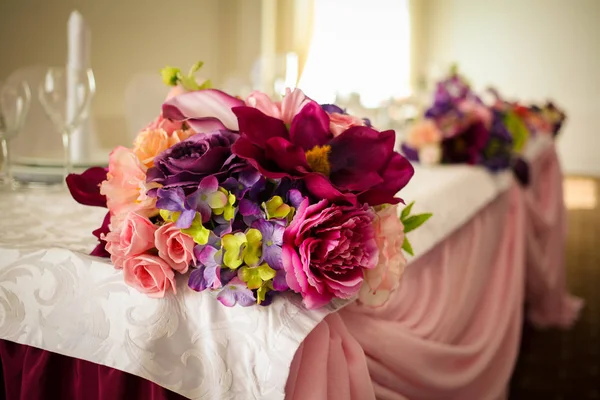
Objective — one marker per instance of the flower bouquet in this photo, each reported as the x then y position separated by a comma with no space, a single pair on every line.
252,198
463,130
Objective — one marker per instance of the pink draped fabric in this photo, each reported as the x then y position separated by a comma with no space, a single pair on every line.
452,329
548,301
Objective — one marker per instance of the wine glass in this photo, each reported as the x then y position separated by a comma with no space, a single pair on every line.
15,98
65,95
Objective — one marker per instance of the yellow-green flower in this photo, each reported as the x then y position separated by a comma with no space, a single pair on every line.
170,75
242,248
255,277
228,211
197,231
276,208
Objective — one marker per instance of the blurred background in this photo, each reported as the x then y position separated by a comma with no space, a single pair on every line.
381,49
379,58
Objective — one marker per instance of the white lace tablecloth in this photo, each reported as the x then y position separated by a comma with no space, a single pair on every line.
55,297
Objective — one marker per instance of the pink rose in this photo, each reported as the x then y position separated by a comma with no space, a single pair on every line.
326,250
382,280
149,274
113,247
135,236
339,123
175,247
125,187
423,133
285,110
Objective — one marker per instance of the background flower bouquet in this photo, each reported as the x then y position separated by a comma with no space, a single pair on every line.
464,130
251,198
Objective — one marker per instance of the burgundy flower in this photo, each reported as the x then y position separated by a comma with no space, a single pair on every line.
100,249
467,146
85,187
357,166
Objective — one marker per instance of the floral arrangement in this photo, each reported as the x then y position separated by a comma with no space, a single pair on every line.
252,197
460,128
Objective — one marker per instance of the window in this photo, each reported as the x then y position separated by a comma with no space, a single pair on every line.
359,47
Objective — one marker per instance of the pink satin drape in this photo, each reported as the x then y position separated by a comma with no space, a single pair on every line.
452,329
549,304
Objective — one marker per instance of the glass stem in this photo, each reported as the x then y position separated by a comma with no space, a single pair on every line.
6,172
68,163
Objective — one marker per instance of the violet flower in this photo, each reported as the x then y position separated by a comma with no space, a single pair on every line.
188,162
207,275
272,239
174,200
236,292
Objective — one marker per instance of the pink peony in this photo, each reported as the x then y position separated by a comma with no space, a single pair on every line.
285,110
149,274
339,123
423,133
175,247
125,188
135,236
326,250
150,143
382,280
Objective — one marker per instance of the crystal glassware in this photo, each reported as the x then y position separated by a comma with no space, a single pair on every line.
15,98
65,95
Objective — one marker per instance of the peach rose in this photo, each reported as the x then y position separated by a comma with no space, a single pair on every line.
149,274
125,188
169,126
150,143
339,123
423,133
135,236
175,247
382,280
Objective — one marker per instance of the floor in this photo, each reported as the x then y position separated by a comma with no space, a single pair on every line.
566,365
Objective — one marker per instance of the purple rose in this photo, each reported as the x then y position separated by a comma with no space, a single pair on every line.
326,250
188,162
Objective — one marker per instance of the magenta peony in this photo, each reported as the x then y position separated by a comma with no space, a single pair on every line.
326,250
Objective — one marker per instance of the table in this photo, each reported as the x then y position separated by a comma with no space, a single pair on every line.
451,330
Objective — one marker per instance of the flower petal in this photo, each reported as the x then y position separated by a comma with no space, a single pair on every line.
258,127
85,187
199,104
310,127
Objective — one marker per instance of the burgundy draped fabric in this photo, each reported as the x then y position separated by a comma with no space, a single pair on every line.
29,373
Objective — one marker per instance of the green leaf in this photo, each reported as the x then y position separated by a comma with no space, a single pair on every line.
415,221
407,247
406,211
